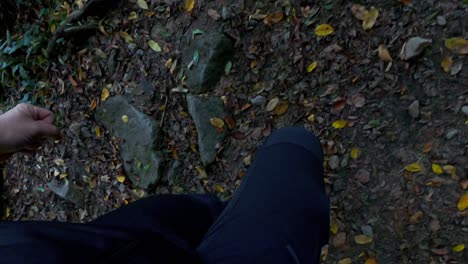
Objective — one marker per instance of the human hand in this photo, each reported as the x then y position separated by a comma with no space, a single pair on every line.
24,128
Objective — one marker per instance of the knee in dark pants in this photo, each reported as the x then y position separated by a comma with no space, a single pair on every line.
297,136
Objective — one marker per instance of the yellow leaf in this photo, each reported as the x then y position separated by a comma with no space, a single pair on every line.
451,170
324,30
311,118
355,153
312,66
189,5
7,212
457,45
413,167
436,168
133,16
219,188
53,27
370,17
142,4
459,248
339,124
126,36
125,118
371,261
104,94
121,178
362,239
201,172
98,131
345,261
93,104
282,108
334,228
154,45
463,202
447,63
217,122
384,54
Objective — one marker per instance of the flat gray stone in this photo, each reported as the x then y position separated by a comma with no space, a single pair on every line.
413,109
68,191
465,109
258,100
334,162
142,160
451,133
202,109
215,49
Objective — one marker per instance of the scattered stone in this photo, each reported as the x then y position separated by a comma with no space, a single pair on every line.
451,133
68,191
202,109
441,21
214,51
367,230
334,162
363,176
414,47
413,109
142,161
465,109
225,13
214,14
258,100
456,67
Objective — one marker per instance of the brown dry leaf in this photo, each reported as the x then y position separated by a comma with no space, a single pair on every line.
231,122
93,104
273,18
405,2
217,122
384,54
338,105
427,147
282,108
457,45
370,17
362,239
72,81
447,63
416,217
358,11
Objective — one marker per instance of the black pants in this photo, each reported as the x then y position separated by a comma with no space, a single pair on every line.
280,214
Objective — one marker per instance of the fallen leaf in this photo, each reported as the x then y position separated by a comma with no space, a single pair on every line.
457,45
334,228
311,118
437,169
126,36
414,219
371,261
355,153
447,63
384,54
214,14
219,188
72,81
217,122
405,2
339,124
427,147
227,68
104,94
458,248
272,104
338,105
59,162
414,47
142,4
121,178
125,118
370,17
273,18
362,239
231,122
440,251
201,172
312,67
101,54
93,104
154,45
97,130
133,16
463,202
324,30
189,5
449,169
282,108
345,261
358,11
413,167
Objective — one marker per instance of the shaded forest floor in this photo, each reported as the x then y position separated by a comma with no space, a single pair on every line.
407,215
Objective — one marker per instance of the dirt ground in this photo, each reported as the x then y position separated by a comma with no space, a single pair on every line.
411,217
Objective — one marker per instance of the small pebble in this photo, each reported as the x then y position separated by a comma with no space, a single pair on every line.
258,100
367,230
465,109
334,162
363,176
441,21
413,109
451,133
225,13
